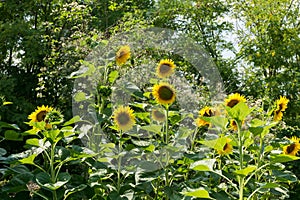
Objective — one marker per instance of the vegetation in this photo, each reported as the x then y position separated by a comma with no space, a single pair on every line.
149,99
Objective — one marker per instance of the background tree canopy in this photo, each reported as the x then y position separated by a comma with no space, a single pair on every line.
254,44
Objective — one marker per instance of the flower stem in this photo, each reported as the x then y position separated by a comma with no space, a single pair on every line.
241,179
167,124
52,171
119,164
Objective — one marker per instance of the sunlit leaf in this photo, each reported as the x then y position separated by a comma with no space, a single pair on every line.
246,171
199,193
280,158
203,165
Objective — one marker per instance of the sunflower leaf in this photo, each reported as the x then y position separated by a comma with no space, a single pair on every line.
239,112
199,193
246,171
113,75
283,158
203,165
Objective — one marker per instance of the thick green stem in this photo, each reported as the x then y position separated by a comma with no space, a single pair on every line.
52,171
167,124
241,179
119,164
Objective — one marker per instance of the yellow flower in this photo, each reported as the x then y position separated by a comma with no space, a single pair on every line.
163,93
234,99
281,105
227,148
233,125
292,149
123,55
124,118
39,114
204,112
158,115
165,68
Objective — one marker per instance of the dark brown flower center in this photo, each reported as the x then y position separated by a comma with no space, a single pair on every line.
41,116
165,93
225,147
123,118
164,68
290,148
208,114
232,103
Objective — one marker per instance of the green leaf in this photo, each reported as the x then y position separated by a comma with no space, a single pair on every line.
218,121
217,144
74,120
141,143
80,96
2,152
44,180
113,76
53,135
199,193
203,165
246,171
150,148
86,70
239,112
285,176
34,142
6,103
13,135
283,158
270,185
11,126
29,160
73,190
152,128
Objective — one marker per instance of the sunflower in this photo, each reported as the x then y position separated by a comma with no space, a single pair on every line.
123,55
204,112
227,148
292,149
165,68
281,105
124,118
158,115
233,125
39,114
234,99
163,93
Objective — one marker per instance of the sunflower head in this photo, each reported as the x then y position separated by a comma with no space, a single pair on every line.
39,114
233,125
293,148
124,118
165,68
122,55
204,112
234,99
158,115
164,93
227,148
281,105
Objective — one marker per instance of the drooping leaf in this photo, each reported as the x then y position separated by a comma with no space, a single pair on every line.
199,193
203,165
246,171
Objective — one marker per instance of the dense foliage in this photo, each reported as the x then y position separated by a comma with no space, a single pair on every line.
86,59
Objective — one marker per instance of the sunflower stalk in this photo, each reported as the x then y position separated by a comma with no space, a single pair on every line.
241,154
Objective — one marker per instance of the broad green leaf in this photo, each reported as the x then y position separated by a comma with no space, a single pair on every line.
53,135
80,96
152,128
199,193
13,135
270,185
217,144
246,171
7,125
113,76
283,158
44,180
73,190
150,148
34,142
239,111
141,143
17,183
87,70
218,121
143,116
29,160
285,176
74,120
203,165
